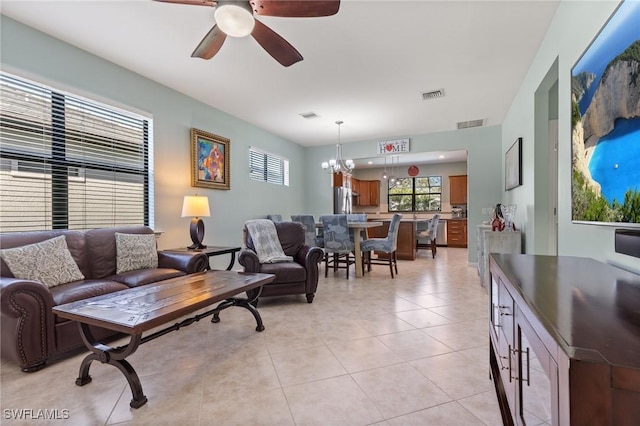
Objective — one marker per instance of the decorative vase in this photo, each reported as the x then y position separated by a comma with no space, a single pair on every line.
508,212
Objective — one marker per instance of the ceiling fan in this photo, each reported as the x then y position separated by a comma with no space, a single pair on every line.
236,18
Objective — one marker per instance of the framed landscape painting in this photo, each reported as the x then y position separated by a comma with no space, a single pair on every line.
210,158
605,123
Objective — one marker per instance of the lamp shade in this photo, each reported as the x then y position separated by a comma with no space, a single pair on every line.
195,206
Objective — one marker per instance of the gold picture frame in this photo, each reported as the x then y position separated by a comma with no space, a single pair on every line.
210,160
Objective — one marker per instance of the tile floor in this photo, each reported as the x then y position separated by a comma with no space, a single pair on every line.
368,351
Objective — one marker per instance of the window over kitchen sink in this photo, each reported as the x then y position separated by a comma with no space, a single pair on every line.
417,194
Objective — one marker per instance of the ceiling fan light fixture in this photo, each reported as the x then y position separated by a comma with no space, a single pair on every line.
234,18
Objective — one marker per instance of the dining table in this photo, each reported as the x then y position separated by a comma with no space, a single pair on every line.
357,228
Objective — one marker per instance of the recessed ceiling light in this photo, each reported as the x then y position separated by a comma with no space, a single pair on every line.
369,162
441,156
309,115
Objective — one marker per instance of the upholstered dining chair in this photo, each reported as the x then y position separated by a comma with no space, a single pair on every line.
338,244
310,228
386,245
428,231
275,217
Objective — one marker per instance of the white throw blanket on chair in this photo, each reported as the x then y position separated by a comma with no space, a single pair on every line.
265,240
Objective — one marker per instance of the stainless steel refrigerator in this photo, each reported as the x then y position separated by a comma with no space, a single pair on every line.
342,200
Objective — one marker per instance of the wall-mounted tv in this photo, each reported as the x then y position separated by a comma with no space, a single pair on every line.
605,123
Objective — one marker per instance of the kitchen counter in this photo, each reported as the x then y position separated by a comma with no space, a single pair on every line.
406,246
409,217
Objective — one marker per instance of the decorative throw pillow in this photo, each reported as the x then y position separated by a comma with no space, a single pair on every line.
49,262
135,251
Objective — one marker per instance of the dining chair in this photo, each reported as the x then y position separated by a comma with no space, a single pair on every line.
428,231
338,244
274,217
310,237
386,245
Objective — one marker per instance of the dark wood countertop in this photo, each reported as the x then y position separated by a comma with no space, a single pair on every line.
590,308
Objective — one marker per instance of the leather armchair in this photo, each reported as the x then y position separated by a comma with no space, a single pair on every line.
297,277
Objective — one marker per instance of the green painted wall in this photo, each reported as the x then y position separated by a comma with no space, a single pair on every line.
573,28
34,55
484,165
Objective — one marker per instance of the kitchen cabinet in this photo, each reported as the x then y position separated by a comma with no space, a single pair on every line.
355,188
564,340
458,189
369,192
339,179
457,232
406,245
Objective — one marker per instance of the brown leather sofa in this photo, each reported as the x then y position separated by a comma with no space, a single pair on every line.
297,277
31,333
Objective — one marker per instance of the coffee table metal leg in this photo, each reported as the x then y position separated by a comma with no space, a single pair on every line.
112,356
244,303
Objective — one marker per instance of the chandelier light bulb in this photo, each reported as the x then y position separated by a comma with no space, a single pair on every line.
337,164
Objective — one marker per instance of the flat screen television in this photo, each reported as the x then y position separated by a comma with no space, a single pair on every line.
605,124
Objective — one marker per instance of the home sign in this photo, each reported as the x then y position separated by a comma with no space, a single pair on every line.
393,147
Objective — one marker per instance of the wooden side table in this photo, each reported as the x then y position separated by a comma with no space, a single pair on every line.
213,251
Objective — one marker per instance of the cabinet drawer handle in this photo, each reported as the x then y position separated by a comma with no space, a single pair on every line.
500,308
510,378
502,367
528,371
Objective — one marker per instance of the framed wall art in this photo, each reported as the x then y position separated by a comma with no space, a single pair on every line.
513,166
605,123
210,158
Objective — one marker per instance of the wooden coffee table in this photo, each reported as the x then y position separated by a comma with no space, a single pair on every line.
136,310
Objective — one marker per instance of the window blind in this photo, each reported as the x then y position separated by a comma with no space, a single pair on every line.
267,167
70,163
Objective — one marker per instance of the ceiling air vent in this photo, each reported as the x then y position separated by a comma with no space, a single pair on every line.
433,94
309,115
472,123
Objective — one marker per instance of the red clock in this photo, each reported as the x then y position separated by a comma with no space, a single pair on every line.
413,171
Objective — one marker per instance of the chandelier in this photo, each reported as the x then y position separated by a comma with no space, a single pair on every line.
338,165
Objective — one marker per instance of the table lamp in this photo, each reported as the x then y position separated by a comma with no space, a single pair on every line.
196,206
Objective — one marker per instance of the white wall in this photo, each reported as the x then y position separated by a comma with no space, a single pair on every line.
34,55
573,28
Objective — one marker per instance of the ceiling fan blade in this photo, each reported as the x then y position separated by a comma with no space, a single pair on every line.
210,44
295,8
210,3
275,45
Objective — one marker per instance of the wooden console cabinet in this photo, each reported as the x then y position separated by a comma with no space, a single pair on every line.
564,340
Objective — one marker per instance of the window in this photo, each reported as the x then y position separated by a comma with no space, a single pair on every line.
267,167
70,163
420,194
